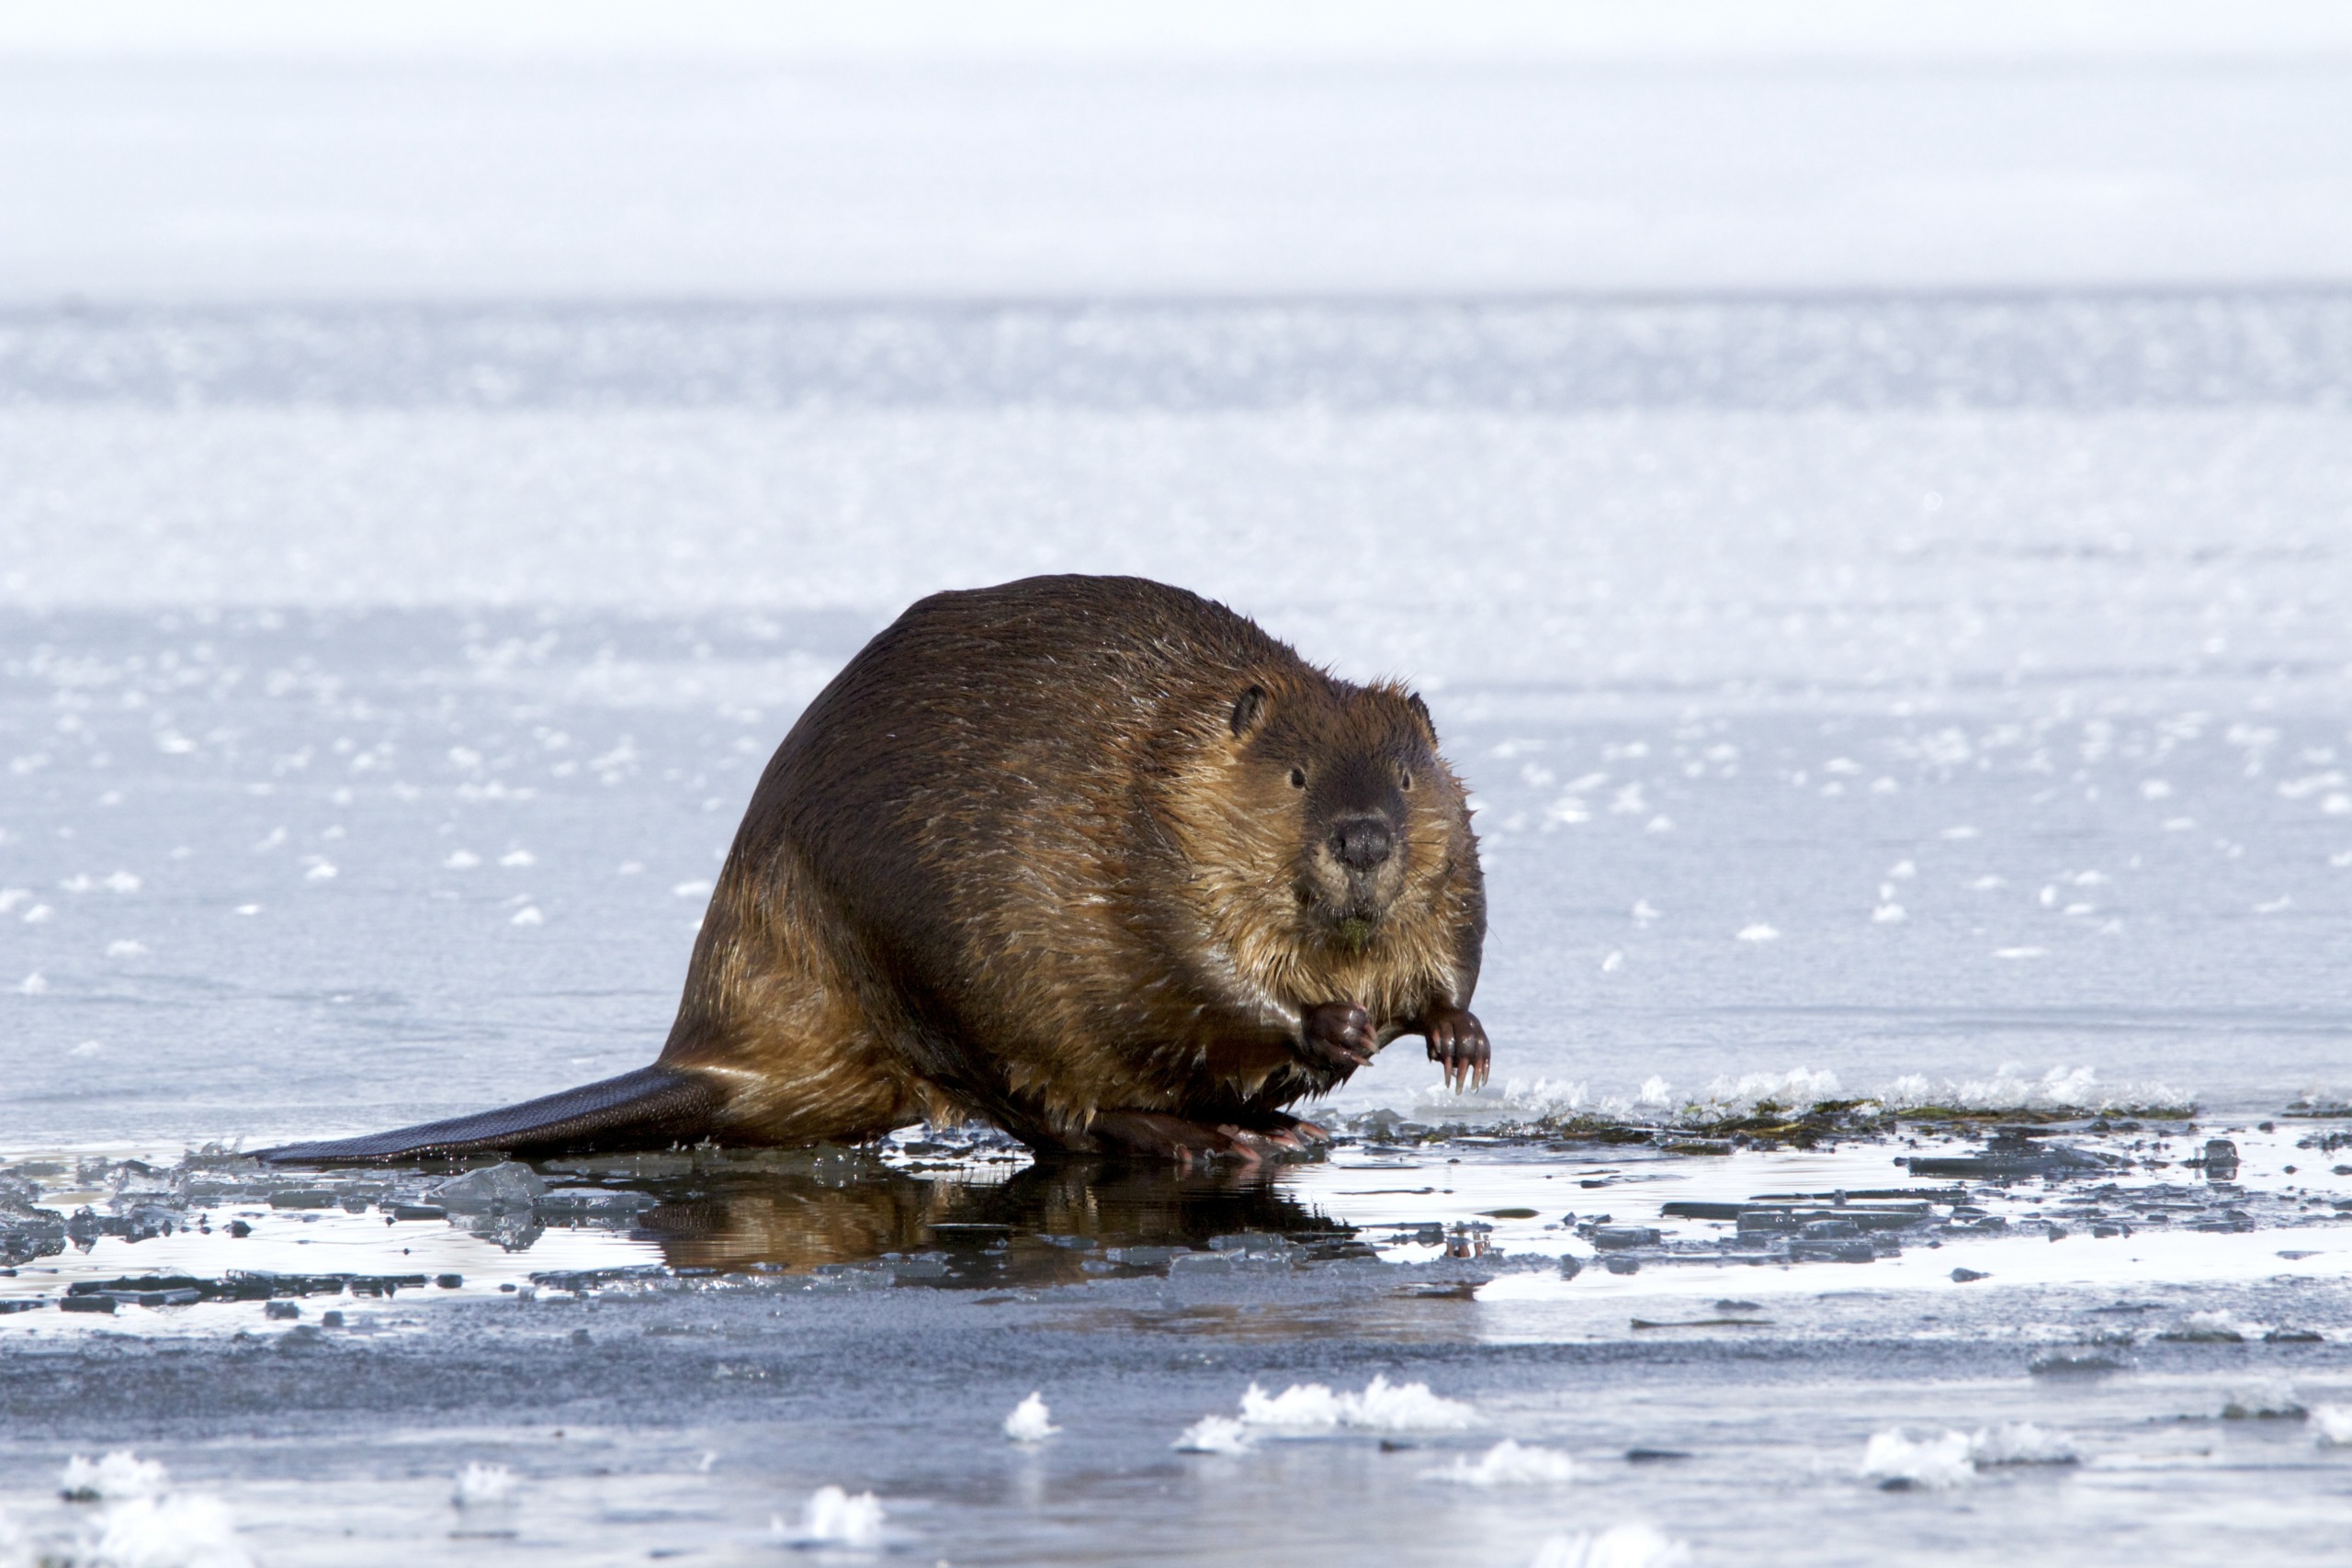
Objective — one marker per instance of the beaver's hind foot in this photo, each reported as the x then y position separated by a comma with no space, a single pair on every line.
1154,1134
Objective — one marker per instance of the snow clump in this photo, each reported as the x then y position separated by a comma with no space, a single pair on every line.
1899,1462
1383,1407
833,1518
1215,1435
483,1485
1031,1421
121,1474
1507,1464
183,1530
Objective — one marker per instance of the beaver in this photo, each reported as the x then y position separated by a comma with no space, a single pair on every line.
1092,858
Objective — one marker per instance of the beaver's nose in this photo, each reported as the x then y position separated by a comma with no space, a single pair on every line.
1362,842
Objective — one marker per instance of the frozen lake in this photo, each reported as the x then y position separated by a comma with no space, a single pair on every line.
1936,700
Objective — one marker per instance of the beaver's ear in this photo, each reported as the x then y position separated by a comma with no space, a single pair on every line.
1421,711
1248,709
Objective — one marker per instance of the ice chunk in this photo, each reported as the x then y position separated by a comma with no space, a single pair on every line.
1620,1546
518,857
507,1185
180,1531
119,1475
1029,1422
833,1518
124,948
462,860
2268,1400
2021,1442
1897,1462
483,1487
529,915
1507,1464
2332,1425
1759,932
1215,1435
32,984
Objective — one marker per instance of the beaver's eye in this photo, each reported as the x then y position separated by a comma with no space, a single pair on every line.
1298,778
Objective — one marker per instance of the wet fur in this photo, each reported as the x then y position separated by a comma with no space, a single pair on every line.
1037,854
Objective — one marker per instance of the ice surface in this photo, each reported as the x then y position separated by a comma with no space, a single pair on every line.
1507,1464
1880,602
1031,1421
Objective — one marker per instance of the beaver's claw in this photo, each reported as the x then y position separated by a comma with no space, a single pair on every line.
1458,1043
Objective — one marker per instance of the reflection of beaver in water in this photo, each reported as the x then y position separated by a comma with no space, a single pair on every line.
1092,858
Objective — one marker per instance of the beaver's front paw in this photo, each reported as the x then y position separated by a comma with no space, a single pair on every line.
1457,1043
1340,1035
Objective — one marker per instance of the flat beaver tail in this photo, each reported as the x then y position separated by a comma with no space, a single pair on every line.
649,1108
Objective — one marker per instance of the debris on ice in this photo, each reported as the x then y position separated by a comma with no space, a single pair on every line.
1507,1464
1759,932
833,1518
1621,1546
483,1485
1031,1421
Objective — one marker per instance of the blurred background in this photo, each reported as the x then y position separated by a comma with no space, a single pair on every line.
1865,488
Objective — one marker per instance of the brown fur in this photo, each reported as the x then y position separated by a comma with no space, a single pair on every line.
1032,856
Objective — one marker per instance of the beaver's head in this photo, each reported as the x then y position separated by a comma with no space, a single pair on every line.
1352,776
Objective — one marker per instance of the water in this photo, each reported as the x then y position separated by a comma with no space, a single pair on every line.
1930,699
